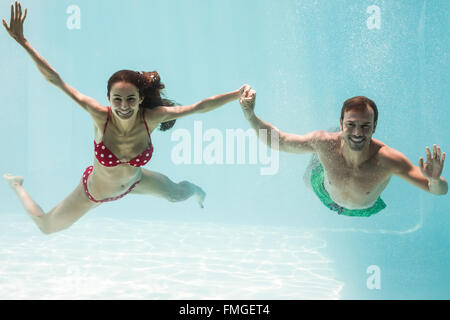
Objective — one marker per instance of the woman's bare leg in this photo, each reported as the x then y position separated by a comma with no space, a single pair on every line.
72,208
159,185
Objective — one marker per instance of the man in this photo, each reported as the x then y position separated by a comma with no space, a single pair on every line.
349,168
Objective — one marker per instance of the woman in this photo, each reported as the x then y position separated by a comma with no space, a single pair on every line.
122,140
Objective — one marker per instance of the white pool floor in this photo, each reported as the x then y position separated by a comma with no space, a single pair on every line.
108,258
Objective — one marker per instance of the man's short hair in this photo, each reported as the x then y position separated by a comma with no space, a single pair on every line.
360,103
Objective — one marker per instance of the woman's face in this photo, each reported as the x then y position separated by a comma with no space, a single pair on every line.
125,100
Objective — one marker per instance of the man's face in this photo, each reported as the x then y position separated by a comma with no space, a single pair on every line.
357,127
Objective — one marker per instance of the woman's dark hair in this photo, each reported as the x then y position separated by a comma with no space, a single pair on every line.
359,102
149,85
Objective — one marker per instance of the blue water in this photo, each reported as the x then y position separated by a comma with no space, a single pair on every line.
259,236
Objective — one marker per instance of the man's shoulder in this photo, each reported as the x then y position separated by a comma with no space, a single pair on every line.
388,156
326,136
322,138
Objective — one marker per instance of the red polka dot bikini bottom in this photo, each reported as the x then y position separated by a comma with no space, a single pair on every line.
86,174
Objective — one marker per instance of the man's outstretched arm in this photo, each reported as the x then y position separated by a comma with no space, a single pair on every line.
267,133
426,176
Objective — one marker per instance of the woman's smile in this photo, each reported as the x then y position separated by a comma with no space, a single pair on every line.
124,115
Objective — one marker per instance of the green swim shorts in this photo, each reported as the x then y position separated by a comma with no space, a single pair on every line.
317,176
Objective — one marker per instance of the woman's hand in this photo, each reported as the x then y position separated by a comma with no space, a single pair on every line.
244,88
15,28
247,101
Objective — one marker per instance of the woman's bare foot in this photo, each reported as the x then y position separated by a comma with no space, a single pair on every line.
13,181
200,195
193,190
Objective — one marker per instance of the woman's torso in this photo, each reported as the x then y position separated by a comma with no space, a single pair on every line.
110,181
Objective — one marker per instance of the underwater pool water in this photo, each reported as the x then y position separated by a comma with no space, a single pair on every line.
260,236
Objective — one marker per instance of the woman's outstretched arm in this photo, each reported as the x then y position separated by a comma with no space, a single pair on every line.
163,114
15,30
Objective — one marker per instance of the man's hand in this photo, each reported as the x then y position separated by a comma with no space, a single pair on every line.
247,101
432,168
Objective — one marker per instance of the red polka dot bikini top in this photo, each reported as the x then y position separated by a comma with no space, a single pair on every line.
108,159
